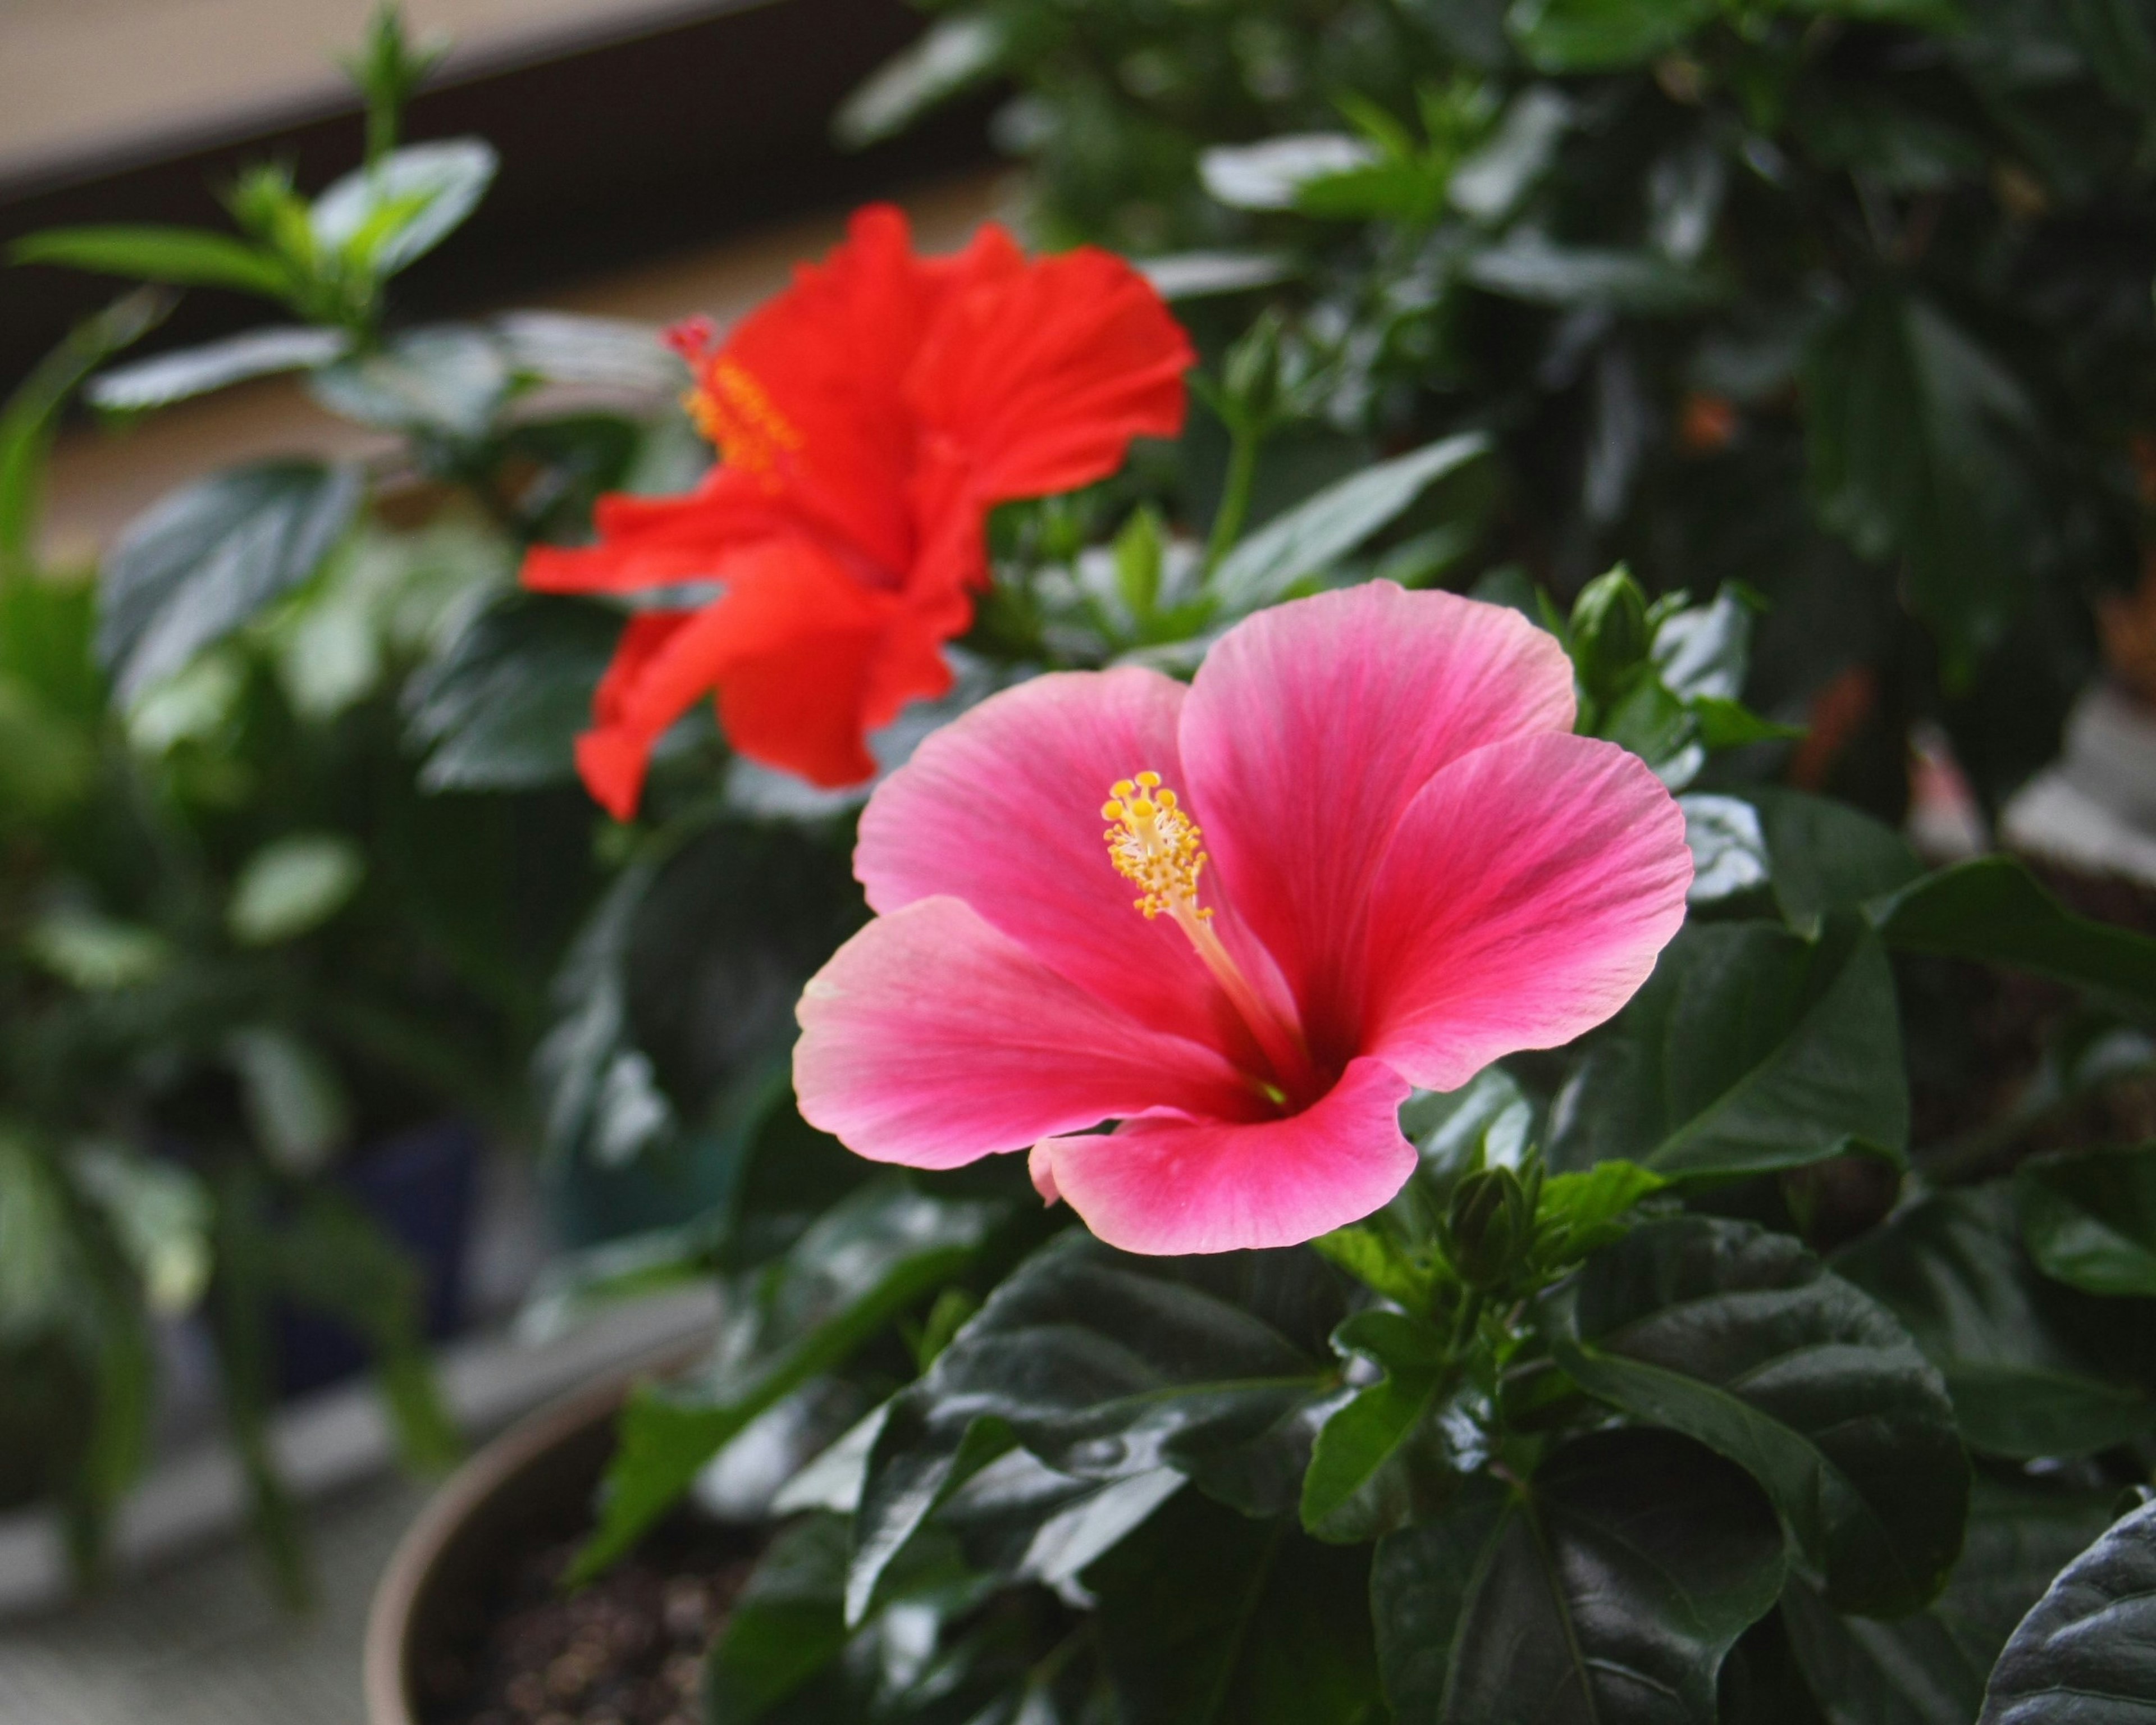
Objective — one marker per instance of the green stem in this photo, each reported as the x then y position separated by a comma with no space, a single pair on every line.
1235,493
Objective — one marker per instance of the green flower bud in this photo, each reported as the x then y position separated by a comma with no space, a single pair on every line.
1489,1227
1250,374
1610,634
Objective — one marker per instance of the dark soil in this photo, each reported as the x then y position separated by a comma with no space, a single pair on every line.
627,1650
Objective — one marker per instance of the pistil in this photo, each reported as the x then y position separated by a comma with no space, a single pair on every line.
1155,843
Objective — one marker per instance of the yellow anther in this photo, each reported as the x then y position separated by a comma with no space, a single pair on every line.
1155,846
733,410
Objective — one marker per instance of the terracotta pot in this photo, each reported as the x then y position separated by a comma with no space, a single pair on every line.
537,1477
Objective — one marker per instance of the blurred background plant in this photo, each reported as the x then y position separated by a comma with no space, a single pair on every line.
1850,296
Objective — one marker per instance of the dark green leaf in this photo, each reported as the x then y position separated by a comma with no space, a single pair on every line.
1928,1669
1207,1618
2083,1657
196,371
1749,1049
872,1256
1728,849
1606,1592
1915,435
1531,267
2034,1369
2090,1220
501,707
1385,1458
1826,856
183,257
1991,910
330,1256
1744,1340
1602,35
1310,538
209,557
913,1468
788,1624
1106,1365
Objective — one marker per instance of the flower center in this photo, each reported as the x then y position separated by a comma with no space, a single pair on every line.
1154,844
736,413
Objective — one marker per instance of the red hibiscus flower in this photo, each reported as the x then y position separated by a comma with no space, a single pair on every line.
869,418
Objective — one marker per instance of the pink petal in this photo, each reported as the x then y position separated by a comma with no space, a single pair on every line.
1176,1186
931,1039
1525,897
1002,809
1310,727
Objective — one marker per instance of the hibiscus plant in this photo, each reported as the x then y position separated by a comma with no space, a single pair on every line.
1530,1212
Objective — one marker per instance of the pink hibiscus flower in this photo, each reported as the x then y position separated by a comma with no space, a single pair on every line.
1408,866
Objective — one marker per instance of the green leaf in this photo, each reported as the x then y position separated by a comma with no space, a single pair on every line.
1749,1050
501,708
293,1102
1609,1588
1528,266
94,952
390,213
210,556
36,1247
1825,856
952,56
159,1216
170,377
2081,1657
1602,35
1929,1668
609,353
183,257
913,1467
1992,911
329,1255
2089,1220
1916,437
873,1256
1273,173
1208,1618
1703,652
1744,1340
1106,1365
2034,1369
1308,539
1383,1459
293,884
788,1624
449,379
33,410
1728,849
1579,1212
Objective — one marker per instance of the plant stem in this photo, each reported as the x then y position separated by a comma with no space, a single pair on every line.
1243,444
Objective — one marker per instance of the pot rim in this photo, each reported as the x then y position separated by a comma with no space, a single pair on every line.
488,1470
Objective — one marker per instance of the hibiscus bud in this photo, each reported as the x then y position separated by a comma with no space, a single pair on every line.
1489,1226
1610,632
1252,374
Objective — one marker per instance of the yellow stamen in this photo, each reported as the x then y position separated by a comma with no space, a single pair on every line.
1155,844
733,410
